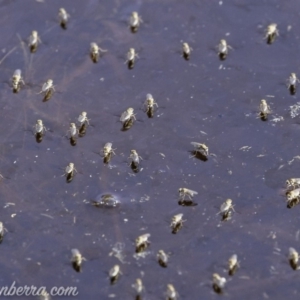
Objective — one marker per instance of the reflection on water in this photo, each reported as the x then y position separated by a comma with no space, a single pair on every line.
201,99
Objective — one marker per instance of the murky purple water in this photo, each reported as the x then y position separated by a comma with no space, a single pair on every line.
203,100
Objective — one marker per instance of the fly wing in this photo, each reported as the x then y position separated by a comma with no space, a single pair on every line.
196,145
146,235
223,207
45,86
222,282
297,191
81,118
124,117
17,73
193,193
108,145
30,40
261,107
133,21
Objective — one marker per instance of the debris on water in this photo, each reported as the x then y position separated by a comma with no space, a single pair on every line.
277,119
295,157
143,254
245,148
106,200
118,252
295,110
144,198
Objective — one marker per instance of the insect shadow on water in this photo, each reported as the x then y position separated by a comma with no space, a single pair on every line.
69,177
198,155
226,216
82,130
293,265
222,56
186,197
186,56
107,158
48,95
293,203
187,202
176,228
133,29
76,267
271,39
114,279
292,89
127,125
130,64
134,167
73,141
217,289
38,137
263,117
150,112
